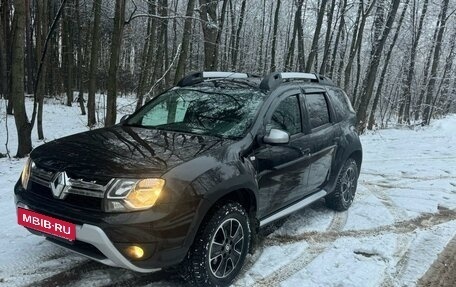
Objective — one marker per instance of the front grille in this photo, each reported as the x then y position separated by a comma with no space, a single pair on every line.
74,200
77,192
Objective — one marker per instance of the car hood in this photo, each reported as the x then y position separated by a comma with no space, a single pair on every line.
124,151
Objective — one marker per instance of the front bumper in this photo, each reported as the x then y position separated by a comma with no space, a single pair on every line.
96,237
104,250
164,233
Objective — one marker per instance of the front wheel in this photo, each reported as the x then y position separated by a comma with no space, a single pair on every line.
342,197
220,247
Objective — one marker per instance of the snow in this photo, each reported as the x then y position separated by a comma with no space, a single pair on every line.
368,213
348,262
402,218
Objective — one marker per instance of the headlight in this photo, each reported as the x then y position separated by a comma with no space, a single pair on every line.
25,175
130,195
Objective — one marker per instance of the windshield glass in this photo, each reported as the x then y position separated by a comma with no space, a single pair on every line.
209,111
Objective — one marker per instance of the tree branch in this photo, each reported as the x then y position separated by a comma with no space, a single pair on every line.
166,72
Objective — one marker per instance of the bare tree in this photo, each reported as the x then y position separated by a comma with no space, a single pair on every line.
385,68
274,37
404,111
91,120
116,42
180,69
23,126
435,63
314,46
372,69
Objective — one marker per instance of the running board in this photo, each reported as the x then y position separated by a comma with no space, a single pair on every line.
294,207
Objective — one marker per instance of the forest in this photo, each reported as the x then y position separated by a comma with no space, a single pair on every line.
394,58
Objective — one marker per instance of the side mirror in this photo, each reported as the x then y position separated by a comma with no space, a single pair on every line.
122,119
276,136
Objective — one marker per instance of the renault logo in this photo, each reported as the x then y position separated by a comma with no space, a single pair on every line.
59,185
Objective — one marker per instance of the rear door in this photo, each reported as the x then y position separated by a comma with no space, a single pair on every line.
323,135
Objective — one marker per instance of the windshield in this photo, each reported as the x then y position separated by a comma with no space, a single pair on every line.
209,111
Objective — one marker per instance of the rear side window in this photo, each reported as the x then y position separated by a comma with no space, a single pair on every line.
317,109
287,116
341,103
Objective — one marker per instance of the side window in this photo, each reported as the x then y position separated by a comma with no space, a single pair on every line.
287,116
317,109
341,103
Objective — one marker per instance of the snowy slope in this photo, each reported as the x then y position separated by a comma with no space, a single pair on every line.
403,216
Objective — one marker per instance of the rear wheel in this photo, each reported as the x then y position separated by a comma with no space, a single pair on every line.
220,247
342,197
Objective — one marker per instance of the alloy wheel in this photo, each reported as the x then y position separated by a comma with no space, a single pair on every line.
226,248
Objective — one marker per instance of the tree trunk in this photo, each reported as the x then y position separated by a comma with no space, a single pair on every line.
208,14
6,33
23,127
93,66
314,46
301,57
324,62
29,61
385,69
41,34
159,61
291,48
237,39
442,90
425,81
369,81
435,63
67,51
274,37
407,87
116,42
148,52
356,43
180,69
337,40
260,57
79,51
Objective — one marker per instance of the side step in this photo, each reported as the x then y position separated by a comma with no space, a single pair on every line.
294,207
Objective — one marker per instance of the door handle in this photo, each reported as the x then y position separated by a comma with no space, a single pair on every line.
306,151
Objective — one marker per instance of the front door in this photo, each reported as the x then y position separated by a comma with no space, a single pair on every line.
283,169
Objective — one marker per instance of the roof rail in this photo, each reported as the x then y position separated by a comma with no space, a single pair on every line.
273,80
293,75
198,77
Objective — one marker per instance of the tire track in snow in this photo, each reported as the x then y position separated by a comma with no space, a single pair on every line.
338,222
402,251
69,275
292,268
423,221
398,213
320,241
315,249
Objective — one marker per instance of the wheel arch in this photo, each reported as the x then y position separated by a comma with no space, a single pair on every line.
243,195
357,155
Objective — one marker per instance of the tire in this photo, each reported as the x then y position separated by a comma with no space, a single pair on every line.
215,258
344,192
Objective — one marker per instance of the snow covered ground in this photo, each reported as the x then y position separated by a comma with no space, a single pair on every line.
403,216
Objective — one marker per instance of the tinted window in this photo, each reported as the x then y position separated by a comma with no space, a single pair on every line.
287,116
341,103
318,110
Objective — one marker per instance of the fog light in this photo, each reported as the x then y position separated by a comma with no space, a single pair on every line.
134,252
